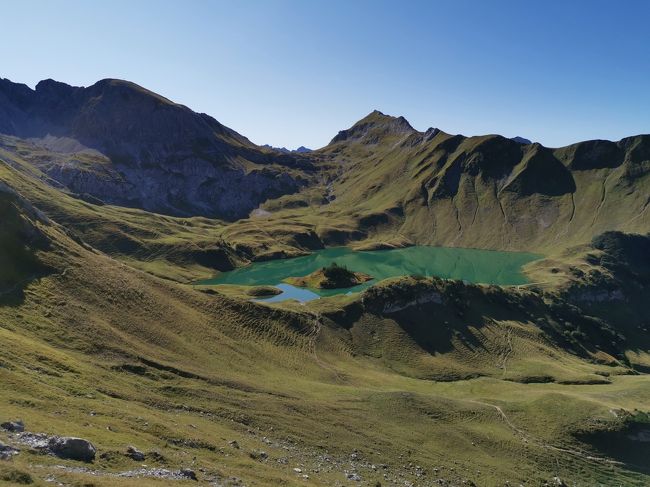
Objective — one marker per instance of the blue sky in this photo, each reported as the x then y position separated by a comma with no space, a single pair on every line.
292,73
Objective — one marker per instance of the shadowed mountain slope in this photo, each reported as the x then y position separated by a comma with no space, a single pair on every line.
20,239
153,154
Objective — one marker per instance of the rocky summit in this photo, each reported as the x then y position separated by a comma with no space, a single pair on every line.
125,145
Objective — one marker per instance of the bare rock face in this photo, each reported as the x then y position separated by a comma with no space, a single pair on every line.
72,448
128,146
188,474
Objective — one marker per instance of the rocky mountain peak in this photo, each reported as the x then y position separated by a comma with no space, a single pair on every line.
192,164
52,86
373,127
521,140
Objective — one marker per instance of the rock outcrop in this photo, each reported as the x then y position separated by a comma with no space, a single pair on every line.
72,448
14,426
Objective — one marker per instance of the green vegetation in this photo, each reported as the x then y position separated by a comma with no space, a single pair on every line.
14,476
259,291
331,277
413,380
132,359
338,274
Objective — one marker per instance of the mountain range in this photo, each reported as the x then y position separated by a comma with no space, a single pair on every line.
119,369
121,144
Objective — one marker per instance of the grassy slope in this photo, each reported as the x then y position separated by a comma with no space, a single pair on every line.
177,248
390,182
387,186
100,350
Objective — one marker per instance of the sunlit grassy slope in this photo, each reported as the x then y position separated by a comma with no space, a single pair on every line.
380,184
414,381
383,181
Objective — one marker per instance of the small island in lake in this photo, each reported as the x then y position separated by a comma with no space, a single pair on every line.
333,276
263,291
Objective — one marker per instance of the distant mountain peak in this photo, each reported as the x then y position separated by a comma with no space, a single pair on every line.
300,150
521,140
378,117
49,82
374,126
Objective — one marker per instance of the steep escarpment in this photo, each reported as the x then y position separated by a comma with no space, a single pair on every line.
615,286
156,154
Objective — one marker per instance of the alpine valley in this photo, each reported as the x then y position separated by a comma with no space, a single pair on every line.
122,364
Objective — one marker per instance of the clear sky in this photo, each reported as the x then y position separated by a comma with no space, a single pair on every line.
295,72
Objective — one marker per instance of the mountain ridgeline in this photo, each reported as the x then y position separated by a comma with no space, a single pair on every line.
115,142
147,151
488,191
113,199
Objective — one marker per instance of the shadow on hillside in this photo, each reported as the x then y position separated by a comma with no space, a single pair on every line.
19,267
20,240
13,294
629,445
434,325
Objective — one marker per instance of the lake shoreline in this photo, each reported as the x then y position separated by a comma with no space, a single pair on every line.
471,265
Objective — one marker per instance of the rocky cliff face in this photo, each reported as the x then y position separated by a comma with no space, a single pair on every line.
160,156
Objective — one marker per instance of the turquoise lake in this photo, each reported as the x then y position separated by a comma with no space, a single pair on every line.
472,265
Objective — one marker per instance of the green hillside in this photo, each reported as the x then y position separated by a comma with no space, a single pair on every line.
415,381
384,180
422,379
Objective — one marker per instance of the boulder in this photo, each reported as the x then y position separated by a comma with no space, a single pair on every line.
6,451
188,473
15,426
135,454
72,448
